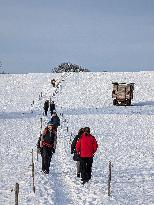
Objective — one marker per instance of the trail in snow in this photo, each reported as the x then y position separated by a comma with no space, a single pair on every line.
125,136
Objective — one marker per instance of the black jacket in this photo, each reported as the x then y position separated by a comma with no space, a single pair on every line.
46,105
55,120
73,145
76,156
52,106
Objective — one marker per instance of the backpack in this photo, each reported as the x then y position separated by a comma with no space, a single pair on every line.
48,139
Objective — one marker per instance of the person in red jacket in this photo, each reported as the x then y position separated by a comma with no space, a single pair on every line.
86,147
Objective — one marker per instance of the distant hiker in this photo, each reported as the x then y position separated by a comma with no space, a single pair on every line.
55,119
52,107
86,147
53,81
57,83
76,156
46,106
47,145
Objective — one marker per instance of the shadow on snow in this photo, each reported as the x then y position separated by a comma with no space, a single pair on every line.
144,103
136,109
18,115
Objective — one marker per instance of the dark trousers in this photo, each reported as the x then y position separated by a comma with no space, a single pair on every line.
45,111
46,158
51,111
86,167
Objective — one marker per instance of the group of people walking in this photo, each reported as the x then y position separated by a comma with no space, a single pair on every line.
83,148
47,141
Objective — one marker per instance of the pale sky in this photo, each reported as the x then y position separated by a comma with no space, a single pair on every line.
111,35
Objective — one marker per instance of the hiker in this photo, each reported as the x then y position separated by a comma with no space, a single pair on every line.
46,106
86,146
52,107
47,145
76,157
53,81
55,120
57,83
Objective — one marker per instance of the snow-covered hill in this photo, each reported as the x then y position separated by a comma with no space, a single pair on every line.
125,136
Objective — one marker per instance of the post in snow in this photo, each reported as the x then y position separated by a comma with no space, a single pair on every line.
109,180
16,193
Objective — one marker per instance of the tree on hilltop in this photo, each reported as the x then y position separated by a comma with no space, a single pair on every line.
69,67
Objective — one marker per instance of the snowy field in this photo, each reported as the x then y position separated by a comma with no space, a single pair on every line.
125,136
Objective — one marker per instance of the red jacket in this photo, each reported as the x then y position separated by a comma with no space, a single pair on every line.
86,146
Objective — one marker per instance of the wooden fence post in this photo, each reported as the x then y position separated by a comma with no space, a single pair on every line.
41,122
33,172
41,94
71,138
33,177
37,154
67,129
38,151
16,193
109,179
32,156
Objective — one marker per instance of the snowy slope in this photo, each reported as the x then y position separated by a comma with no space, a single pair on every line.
125,136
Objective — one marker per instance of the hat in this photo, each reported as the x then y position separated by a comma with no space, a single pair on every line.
49,123
87,130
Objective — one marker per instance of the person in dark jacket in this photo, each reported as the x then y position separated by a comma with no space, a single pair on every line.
47,145
53,81
86,147
55,120
76,156
52,107
46,107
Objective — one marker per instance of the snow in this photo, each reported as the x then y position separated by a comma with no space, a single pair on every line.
125,136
